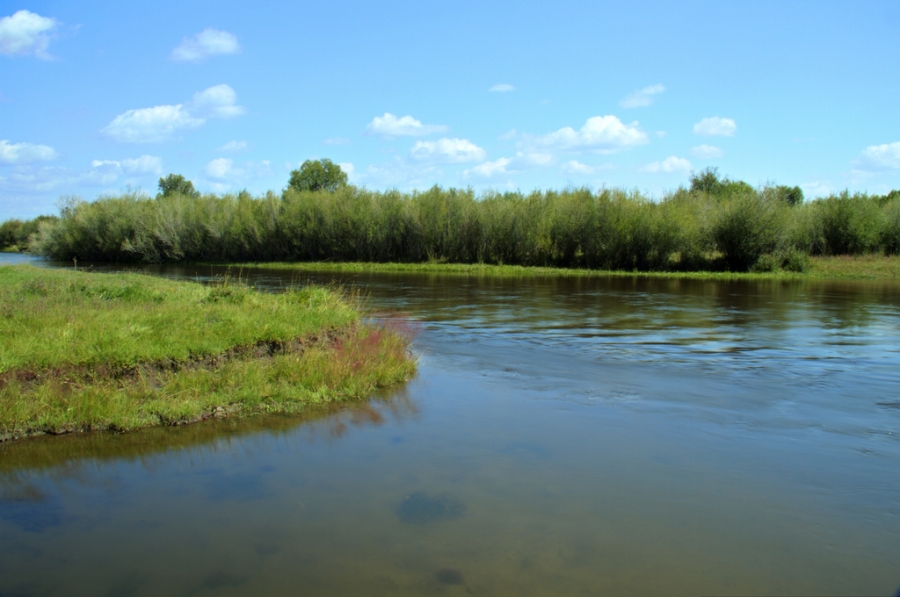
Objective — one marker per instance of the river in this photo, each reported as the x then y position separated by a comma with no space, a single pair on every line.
563,436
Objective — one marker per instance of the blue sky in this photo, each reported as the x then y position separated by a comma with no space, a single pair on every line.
98,97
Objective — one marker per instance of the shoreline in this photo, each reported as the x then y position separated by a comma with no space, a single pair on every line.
836,268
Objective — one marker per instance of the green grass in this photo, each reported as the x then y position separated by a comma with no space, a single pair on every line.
119,351
855,267
864,267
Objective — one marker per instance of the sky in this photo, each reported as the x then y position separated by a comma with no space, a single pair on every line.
100,98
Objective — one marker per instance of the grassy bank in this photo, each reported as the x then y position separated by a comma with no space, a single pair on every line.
845,267
100,351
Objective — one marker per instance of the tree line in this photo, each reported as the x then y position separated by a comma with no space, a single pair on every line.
713,223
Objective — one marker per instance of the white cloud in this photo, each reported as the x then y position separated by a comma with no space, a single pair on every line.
447,151
218,101
508,135
642,97
26,33
668,165
33,179
405,126
605,134
490,169
209,42
879,157
146,164
706,152
347,168
337,141
502,88
521,161
159,123
150,125
219,167
22,153
715,127
576,167
233,146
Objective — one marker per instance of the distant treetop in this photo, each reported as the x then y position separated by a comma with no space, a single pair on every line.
318,175
176,184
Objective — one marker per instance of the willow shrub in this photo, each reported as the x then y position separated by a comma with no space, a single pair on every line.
608,229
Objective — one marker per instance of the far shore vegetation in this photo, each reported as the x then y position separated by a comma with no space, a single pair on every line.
712,227
84,352
841,267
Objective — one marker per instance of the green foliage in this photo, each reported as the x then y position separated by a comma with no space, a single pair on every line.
790,195
318,175
578,228
849,225
706,181
95,351
176,184
748,226
19,235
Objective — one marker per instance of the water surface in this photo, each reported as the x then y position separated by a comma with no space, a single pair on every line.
562,437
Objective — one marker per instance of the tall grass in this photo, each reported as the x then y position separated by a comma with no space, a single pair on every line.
738,230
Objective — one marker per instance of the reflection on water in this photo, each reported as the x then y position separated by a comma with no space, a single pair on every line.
564,436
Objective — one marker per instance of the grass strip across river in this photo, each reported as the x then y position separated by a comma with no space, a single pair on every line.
84,352
841,267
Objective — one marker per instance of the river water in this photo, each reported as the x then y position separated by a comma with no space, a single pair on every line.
562,437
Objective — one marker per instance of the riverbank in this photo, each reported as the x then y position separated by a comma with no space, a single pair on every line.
84,352
844,267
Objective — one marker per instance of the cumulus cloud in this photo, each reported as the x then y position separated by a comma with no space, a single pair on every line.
159,123
521,161
642,97
218,101
706,152
604,134
715,127
347,168
26,33
490,169
233,146
447,151
502,88
576,167
879,157
146,164
219,168
405,126
32,179
209,42
23,153
668,165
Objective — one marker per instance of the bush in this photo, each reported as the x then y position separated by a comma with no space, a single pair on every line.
747,227
850,225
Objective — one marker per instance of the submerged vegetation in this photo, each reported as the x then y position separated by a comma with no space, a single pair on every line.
714,225
102,351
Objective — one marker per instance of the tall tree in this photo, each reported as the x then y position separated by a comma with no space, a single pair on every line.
318,175
176,184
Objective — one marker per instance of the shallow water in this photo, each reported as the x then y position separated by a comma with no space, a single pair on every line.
562,437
